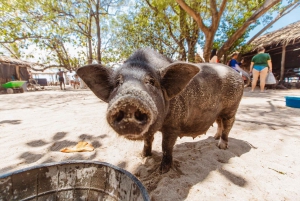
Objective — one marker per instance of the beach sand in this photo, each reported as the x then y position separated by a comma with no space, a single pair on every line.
261,163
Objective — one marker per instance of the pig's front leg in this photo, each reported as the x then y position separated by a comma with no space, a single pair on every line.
168,142
148,139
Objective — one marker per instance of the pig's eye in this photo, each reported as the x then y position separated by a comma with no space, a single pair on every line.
119,81
150,81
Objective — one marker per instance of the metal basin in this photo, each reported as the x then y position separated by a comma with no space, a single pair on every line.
72,180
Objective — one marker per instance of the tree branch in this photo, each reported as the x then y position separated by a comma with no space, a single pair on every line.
8,49
152,7
196,16
222,8
166,20
280,15
215,14
45,67
240,31
23,38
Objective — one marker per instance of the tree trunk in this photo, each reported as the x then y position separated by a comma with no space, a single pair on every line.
191,54
282,62
207,47
209,31
90,48
225,59
182,23
97,20
240,31
182,53
192,41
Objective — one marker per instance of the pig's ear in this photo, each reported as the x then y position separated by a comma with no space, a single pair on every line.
176,76
96,77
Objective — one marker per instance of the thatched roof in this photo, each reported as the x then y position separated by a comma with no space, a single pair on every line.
285,35
21,63
5,59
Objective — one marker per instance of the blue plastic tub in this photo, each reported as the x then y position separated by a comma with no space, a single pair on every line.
292,101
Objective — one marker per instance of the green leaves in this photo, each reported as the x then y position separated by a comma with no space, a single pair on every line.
65,32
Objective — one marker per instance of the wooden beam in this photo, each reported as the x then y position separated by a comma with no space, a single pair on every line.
282,62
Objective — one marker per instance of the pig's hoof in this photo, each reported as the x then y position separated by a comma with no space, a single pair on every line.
164,168
217,136
222,144
146,153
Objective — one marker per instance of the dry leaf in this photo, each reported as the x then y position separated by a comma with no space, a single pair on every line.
80,147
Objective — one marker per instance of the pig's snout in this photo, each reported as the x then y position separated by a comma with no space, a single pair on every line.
130,117
130,114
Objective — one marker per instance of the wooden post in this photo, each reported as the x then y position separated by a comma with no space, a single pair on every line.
18,77
282,62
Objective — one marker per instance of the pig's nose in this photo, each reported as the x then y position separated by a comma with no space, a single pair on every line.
131,114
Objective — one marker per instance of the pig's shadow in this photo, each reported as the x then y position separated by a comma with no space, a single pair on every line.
193,161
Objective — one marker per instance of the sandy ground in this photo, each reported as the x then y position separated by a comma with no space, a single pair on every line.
262,162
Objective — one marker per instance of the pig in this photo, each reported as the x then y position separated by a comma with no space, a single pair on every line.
151,93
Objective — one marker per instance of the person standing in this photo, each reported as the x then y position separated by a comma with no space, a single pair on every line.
61,79
259,68
70,77
76,81
213,56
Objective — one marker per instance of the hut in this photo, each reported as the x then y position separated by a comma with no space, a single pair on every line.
13,69
283,46
45,77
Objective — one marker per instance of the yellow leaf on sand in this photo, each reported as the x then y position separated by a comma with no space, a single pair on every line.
80,147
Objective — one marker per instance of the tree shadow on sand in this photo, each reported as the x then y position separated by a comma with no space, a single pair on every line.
193,161
35,155
10,122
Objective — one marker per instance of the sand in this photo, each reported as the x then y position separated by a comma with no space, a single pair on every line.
262,162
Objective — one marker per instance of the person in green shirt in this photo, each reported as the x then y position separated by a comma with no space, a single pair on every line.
259,67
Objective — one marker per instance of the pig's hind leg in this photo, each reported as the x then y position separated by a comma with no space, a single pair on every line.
227,125
219,129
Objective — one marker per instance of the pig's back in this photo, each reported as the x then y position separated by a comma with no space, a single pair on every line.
215,84
216,89
225,81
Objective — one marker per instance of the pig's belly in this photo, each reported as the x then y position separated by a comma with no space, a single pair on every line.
195,130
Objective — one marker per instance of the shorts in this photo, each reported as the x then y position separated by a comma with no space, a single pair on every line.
61,79
259,68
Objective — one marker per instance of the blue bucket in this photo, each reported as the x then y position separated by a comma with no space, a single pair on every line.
292,101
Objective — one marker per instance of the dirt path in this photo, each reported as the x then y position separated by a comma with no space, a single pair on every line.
262,162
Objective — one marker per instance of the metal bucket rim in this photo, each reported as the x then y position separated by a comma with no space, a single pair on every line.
131,176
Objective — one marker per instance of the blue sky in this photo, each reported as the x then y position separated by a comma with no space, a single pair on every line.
292,17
